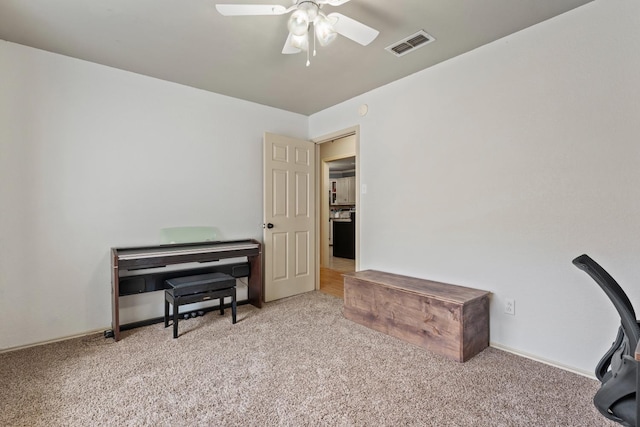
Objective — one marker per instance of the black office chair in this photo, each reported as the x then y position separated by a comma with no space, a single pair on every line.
618,369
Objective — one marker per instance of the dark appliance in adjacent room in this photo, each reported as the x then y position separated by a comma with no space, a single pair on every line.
344,237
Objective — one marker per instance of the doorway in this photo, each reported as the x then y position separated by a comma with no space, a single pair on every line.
338,216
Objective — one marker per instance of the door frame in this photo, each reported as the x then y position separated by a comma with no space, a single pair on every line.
354,130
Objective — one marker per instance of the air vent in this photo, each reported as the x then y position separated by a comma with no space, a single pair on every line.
411,43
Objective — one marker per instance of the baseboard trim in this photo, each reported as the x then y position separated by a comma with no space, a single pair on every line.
65,338
542,360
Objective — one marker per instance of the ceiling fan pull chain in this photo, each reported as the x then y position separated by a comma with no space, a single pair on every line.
308,62
314,39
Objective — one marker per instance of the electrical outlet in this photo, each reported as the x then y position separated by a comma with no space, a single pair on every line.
510,306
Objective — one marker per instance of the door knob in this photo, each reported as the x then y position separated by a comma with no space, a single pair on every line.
269,225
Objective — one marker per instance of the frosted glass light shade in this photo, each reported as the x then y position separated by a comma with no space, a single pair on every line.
324,31
301,42
298,23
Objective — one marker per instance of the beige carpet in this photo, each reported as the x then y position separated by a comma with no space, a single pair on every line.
296,362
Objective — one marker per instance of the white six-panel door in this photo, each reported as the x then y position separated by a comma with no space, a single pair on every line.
289,209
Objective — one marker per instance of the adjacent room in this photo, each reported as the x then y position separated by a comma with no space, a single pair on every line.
488,157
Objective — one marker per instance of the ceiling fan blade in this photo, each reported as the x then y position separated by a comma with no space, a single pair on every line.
251,9
352,29
333,2
289,48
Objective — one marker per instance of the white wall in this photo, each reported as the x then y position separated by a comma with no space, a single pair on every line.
495,169
93,157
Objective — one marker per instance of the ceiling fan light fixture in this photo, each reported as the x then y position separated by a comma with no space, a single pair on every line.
298,22
325,33
304,13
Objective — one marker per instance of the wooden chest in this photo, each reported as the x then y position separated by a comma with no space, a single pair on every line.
449,320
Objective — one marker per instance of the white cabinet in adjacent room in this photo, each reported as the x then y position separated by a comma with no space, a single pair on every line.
343,191
351,190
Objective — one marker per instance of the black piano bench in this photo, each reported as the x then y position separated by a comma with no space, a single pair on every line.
201,287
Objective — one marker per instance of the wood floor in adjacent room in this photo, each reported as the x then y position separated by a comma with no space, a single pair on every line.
331,281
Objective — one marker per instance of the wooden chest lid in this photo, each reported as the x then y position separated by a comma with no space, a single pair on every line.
443,291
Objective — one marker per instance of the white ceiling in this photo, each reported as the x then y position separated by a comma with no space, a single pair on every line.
189,42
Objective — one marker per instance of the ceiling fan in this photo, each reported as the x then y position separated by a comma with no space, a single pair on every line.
305,13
